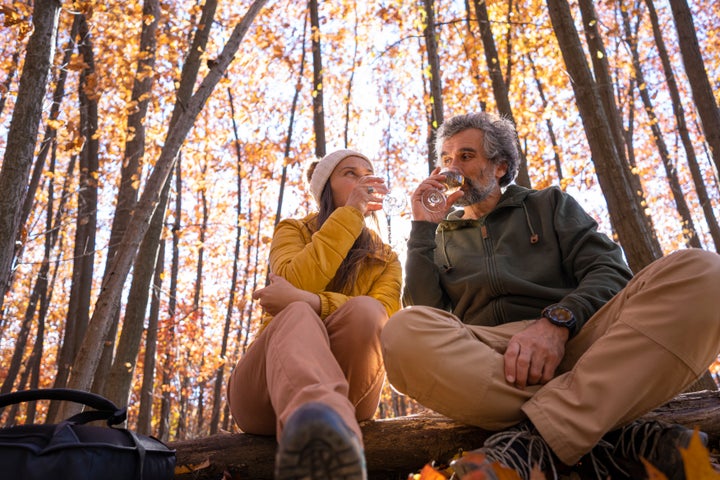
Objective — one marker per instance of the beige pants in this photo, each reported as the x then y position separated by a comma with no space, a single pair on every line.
299,358
646,345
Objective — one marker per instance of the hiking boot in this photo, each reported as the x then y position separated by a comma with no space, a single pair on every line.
520,448
657,442
316,444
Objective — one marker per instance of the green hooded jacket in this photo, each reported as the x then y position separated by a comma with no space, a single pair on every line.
536,248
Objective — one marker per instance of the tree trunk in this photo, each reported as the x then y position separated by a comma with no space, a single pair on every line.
9,78
109,298
23,131
144,420
627,215
691,237
548,121
170,351
318,111
85,232
50,135
397,447
120,377
436,98
291,124
220,372
678,110
702,91
603,86
130,172
499,85
351,78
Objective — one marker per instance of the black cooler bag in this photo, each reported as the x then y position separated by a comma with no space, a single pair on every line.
74,450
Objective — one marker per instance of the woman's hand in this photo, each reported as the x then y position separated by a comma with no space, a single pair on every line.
281,293
367,194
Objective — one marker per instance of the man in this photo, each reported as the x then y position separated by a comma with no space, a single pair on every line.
524,319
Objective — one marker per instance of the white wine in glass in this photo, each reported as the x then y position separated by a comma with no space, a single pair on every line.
435,200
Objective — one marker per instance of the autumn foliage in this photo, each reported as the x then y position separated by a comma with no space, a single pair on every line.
122,73
696,460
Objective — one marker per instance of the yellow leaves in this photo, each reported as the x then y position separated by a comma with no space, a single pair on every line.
54,124
697,461
191,467
145,72
77,63
91,89
428,473
18,16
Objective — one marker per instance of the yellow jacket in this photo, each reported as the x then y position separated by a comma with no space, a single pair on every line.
308,258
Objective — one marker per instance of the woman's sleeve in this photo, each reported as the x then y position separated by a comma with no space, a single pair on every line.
311,265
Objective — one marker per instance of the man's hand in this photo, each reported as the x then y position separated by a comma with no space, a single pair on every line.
434,181
281,293
533,355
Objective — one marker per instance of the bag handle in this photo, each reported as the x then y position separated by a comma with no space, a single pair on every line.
105,408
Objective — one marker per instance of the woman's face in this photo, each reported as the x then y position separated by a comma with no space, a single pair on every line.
346,176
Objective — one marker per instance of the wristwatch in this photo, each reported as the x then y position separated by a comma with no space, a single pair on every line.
560,316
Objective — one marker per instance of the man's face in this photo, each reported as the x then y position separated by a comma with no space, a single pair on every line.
463,152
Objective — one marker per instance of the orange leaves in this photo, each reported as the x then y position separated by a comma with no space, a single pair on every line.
696,459
17,15
77,63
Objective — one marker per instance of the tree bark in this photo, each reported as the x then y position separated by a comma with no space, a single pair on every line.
436,99
692,239
627,214
499,86
119,378
317,94
230,309
130,176
702,91
144,420
78,315
170,350
110,294
23,131
400,446
682,129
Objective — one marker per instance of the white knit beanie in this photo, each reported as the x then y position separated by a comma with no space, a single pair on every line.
325,167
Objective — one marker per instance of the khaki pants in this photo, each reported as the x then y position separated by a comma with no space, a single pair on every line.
646,345
299,358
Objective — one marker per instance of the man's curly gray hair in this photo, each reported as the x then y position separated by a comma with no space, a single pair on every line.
500,144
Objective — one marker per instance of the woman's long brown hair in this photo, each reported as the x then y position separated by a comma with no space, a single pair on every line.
364,245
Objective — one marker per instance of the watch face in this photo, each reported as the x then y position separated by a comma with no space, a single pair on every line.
560,314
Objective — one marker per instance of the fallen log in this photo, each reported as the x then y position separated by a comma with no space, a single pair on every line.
397,447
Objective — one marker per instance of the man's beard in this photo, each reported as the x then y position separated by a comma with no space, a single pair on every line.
476,193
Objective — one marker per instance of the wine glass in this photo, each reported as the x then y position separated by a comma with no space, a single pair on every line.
435,200
394,202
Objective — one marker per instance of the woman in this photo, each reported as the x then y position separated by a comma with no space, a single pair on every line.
315,369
